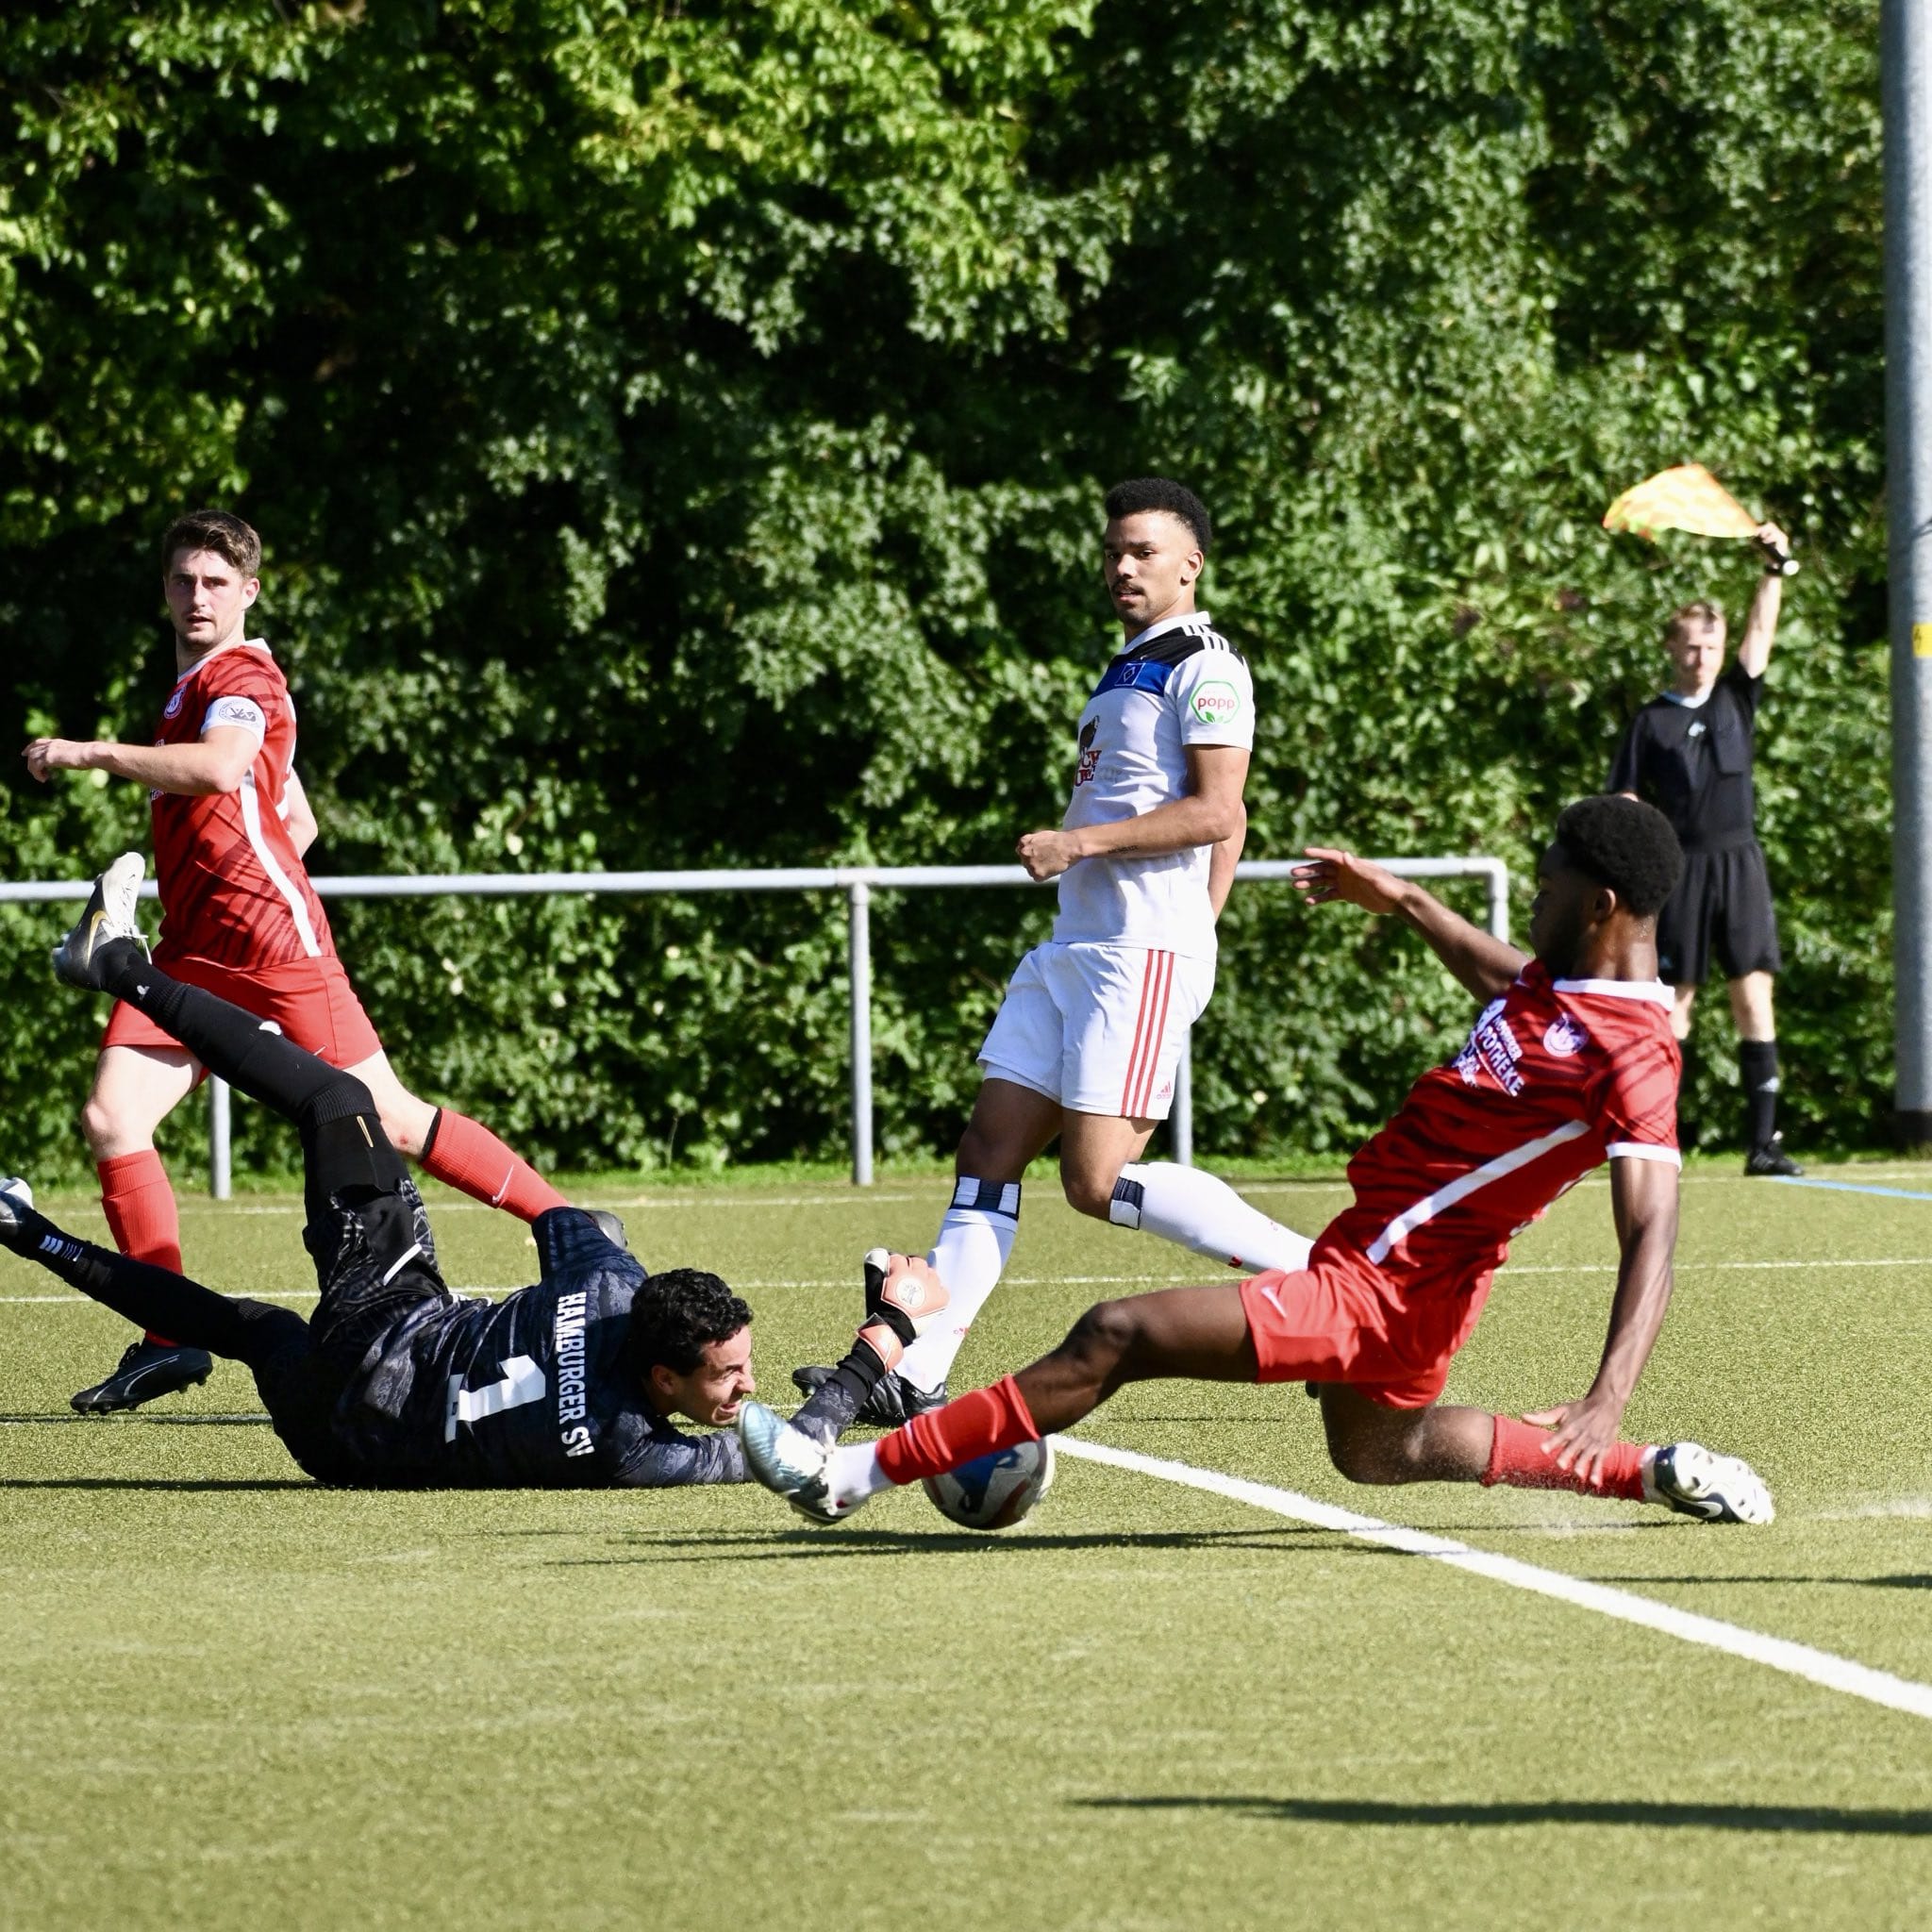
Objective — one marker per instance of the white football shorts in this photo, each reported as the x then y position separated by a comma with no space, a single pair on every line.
1098,1029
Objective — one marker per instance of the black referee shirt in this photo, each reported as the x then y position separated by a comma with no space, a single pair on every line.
1694,763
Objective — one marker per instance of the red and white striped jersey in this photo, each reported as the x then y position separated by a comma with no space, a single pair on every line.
1558,1077
233,887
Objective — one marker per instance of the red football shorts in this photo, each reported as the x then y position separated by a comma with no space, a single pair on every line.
311,1000
1342,1319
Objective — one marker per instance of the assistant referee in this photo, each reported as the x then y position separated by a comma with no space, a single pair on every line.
1688,752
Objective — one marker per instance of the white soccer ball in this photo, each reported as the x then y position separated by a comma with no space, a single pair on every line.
995,1491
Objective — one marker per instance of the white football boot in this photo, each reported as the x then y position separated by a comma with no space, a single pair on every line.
15,1198
790,1464
1697,1481
108,915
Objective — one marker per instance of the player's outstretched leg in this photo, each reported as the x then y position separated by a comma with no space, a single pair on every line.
1372,1443
1182,1205
146,1369
155,1297
1196,1210
1196,1332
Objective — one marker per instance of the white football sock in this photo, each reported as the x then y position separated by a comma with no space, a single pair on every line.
1184,1205
854,1474
969,1255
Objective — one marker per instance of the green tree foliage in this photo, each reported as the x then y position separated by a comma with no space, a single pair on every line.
677,435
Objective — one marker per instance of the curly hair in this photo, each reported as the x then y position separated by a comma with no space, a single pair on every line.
227,536
1626,846
674,1314
1138,493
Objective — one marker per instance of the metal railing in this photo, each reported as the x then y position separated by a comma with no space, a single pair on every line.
858,883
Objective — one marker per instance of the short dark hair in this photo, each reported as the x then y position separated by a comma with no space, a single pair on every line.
213,529
1138,493
1685,615
1624,844
674,1314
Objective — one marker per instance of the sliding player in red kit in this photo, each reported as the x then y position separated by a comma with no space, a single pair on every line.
1572,1064
240,920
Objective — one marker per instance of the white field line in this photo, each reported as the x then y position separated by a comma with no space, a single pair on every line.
852,1198
1682,1267
1818,1667
868,1197
1776,1653
1139,1281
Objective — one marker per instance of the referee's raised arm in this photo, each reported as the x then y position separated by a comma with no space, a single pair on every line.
1761,623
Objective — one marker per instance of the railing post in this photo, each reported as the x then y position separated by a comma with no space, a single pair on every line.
1180,1123
858,959
219,1167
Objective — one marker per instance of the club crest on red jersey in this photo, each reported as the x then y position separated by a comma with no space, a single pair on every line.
1563,1037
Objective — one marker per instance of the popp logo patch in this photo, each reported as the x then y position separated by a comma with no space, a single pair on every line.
1216,701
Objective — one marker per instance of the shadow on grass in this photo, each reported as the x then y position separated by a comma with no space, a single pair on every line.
1650,1814
157,1482
787,1545
255,1420
1565,1532
1716,1580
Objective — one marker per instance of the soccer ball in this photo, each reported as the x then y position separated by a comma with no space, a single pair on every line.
995,1491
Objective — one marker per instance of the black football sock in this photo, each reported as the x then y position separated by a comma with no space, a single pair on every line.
153,1298
1685,1074
1757,1063
842,1394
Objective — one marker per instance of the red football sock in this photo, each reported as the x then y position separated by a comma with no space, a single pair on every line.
1517,1458
981,1423
469,1157
141,1214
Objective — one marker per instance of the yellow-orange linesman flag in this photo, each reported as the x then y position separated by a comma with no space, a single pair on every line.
1686,498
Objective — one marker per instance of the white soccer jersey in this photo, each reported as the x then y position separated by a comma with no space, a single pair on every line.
1179,683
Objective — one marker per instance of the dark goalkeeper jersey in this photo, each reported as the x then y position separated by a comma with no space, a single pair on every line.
528,1392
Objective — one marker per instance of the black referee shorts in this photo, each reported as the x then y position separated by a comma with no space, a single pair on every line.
1722,903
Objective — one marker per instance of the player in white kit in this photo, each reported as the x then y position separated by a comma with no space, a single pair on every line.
1088,1038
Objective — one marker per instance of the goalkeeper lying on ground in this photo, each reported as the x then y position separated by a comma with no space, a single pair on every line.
396,1382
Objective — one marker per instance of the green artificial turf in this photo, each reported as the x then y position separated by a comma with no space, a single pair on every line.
230,1698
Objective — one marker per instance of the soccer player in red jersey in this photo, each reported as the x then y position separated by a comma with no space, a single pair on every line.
239,918
1570,1063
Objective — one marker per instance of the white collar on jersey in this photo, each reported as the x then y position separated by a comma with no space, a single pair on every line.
222,651
1166,624
1689,703
1654,990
